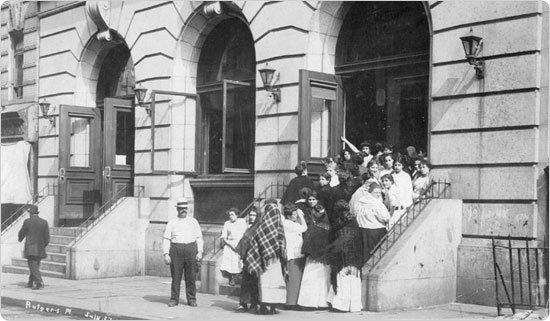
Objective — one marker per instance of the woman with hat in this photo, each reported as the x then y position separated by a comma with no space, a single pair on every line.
292,192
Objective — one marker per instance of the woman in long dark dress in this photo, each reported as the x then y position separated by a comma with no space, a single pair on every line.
346,260
316,277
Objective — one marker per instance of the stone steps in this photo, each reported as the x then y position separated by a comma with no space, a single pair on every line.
25,270
54,265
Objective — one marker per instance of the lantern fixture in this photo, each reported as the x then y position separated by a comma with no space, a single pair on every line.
45,107
472,47
267,74
140,92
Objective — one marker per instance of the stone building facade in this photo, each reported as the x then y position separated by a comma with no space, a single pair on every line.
211,132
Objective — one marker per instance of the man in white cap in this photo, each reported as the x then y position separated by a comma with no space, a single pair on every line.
182,247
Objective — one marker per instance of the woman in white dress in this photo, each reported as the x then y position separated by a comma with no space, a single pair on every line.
294,225
346,260
316,278
232,232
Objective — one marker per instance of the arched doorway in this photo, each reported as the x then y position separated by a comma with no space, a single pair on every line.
226,86
382,59
225,121
96,155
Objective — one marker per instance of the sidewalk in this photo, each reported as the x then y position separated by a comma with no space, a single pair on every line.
146,297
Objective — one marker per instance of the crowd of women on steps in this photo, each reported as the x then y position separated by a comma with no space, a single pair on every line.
306,252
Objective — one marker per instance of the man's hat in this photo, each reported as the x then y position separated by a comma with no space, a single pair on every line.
182,202
33,209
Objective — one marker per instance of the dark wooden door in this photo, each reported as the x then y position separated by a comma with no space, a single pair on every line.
79,162
118,148
321,119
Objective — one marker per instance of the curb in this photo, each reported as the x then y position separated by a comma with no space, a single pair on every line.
65,310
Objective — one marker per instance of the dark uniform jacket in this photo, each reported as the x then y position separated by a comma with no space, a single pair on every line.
36,233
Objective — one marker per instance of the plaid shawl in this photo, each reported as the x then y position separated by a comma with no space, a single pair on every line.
267,243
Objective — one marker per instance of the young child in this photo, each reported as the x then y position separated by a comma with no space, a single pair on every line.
403,181
392,199
387,161
232,232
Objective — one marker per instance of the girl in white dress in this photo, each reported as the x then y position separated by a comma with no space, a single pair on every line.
232,232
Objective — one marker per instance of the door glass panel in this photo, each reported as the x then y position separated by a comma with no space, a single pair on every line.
79,153
213,128
320,127
124,139
239,128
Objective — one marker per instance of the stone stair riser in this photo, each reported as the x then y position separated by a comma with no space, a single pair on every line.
64,231
58,239
44,265
56,248
21,270
56,257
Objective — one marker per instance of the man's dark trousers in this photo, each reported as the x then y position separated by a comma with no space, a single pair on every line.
183,260
34,268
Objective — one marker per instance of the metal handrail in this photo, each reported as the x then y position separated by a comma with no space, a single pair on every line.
274,190
36,199
257,201
411,213
105,209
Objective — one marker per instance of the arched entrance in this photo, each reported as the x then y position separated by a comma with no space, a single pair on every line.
382,58
225,121
96,156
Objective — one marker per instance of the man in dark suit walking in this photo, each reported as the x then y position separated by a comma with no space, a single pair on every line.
36,233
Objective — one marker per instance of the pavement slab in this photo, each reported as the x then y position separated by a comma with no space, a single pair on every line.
146,297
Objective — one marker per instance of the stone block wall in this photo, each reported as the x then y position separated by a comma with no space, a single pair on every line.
490,136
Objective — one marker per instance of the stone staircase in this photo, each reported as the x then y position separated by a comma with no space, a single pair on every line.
55,264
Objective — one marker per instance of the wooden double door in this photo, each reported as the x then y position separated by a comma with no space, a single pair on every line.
96,157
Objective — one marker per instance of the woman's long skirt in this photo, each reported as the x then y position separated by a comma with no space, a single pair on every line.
272,287
315,285
231,261
347,295
295,272
371,237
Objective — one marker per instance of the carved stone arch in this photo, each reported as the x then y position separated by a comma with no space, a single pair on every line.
334,13
192,37
91,60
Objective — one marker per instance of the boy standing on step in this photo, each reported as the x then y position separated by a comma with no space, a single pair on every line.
36,233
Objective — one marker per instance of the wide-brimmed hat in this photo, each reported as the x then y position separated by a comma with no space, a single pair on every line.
33,209
182,203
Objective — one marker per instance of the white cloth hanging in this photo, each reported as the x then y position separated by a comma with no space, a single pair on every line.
16,183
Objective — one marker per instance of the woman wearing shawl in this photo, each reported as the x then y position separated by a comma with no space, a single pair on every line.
249,283
372,217
346,260
316,278
266,258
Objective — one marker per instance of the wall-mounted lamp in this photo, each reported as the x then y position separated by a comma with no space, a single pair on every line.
45,107
140,93
472,47
267,78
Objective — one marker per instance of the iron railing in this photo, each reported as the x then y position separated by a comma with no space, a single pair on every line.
438,189
37,198
106,208
527,269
